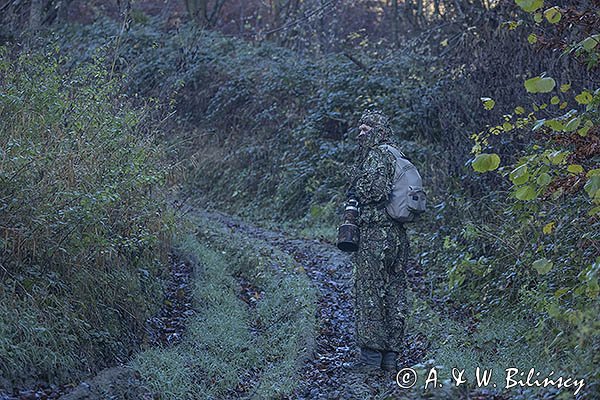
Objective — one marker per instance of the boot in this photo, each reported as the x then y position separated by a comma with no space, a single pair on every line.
388,361
369,360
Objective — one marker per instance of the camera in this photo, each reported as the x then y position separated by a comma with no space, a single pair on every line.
348,232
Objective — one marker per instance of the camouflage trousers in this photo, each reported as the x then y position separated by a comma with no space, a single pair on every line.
380,286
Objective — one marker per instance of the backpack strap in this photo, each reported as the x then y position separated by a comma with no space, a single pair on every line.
393,150
399,171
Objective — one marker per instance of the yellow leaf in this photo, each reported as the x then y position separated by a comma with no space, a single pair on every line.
549,227
488,103
584,97
553,15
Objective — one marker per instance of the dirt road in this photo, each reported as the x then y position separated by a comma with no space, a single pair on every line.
330,271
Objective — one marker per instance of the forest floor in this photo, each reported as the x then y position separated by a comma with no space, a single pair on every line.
322,375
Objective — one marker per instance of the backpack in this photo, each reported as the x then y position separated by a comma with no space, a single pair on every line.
407,200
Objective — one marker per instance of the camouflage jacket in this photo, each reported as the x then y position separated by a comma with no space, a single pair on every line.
371,184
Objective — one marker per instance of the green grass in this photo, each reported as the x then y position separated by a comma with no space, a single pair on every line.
229,343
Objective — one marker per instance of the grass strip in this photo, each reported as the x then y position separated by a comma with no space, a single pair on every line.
232,347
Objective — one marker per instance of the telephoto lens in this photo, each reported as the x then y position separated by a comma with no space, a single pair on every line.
348,232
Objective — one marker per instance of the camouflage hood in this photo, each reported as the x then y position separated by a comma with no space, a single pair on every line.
381,132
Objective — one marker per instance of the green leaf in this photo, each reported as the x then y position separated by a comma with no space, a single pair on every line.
530,5
537,17
519,175
488,103
584,97
572,124
593,172
557,193
542,266
593,288
554,100
526,193
521,179
507,127
591,42
544,179
558,157
519,110
486,162
594,211
561,292
592,186
586,127
575,168
553,15
316,211
555,125
540,85
532,38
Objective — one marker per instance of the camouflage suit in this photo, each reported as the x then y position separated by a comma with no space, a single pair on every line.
379,272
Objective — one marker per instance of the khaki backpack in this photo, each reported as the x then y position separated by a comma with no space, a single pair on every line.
407,200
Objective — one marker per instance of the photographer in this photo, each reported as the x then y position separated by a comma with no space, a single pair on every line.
378,265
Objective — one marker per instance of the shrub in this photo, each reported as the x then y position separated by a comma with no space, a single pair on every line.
83,229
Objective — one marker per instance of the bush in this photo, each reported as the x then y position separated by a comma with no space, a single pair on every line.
83,230
536,245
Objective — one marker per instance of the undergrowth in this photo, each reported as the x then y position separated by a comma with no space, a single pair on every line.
262,131
84,230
